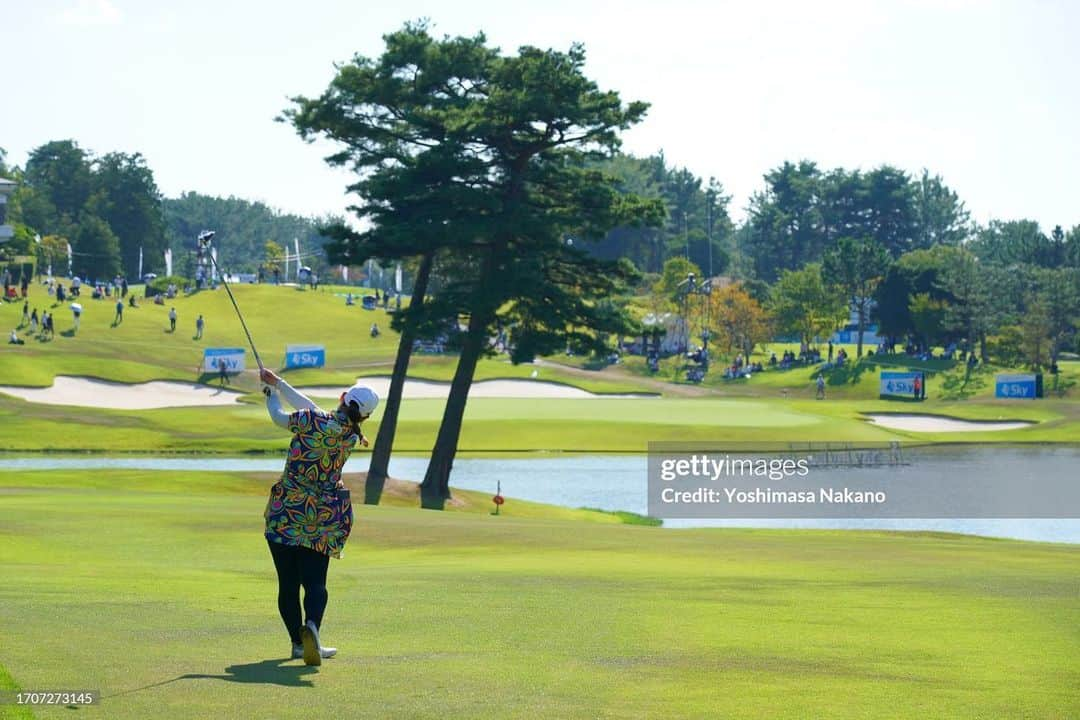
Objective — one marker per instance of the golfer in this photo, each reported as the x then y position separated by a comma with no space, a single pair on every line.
309,515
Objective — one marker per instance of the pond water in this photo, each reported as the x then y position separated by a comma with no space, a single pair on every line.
618,482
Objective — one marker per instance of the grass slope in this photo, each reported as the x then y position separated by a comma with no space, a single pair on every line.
157,589
142,348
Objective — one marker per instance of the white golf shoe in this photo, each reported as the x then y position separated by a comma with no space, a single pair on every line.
311,649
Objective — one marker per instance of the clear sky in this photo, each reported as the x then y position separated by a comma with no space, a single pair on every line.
986,94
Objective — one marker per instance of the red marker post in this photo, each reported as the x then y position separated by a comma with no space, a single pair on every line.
498,499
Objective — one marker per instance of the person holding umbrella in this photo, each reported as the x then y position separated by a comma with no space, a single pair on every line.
76,311
309,514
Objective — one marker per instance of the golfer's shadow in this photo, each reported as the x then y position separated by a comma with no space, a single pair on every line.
266,672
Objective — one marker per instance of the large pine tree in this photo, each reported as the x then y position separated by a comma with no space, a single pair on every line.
482,156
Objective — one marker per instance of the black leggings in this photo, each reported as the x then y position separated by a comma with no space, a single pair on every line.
298,566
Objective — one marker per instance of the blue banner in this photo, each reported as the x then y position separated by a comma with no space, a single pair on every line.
900,383
305,356
1015,386
233,358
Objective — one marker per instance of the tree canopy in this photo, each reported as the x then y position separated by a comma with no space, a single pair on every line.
489,158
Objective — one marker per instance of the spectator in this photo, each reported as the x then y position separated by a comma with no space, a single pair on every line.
131,301
172,319
76,286
47,326
76,313
223,372
25,285
918,387
119,312
821,386
349,299
15,339
199,325
123,287
33,322
25,313
59,293
830,351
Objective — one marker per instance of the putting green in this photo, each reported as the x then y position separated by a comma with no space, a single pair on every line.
491,424
666,411
157,589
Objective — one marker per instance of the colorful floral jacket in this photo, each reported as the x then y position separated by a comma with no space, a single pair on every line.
309,506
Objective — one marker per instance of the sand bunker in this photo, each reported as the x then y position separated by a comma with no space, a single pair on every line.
86,392
939,423
483,389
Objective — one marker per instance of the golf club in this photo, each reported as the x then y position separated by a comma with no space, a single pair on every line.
204,242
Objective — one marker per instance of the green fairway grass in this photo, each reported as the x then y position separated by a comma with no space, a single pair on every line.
497,424
772,405
157,589
491,424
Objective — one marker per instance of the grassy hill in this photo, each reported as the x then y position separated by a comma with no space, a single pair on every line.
142,348
157,589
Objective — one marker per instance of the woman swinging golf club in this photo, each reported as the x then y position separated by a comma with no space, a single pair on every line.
309,515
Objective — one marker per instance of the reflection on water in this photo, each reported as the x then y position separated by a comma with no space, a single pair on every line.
617,482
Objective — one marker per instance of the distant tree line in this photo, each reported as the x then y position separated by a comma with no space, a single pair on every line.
803,211
106,207
244,228
109,209
697,225
820,250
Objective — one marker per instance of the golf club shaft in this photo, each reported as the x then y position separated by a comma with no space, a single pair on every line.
235,307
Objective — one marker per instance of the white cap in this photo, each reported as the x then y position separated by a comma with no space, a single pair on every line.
363,396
